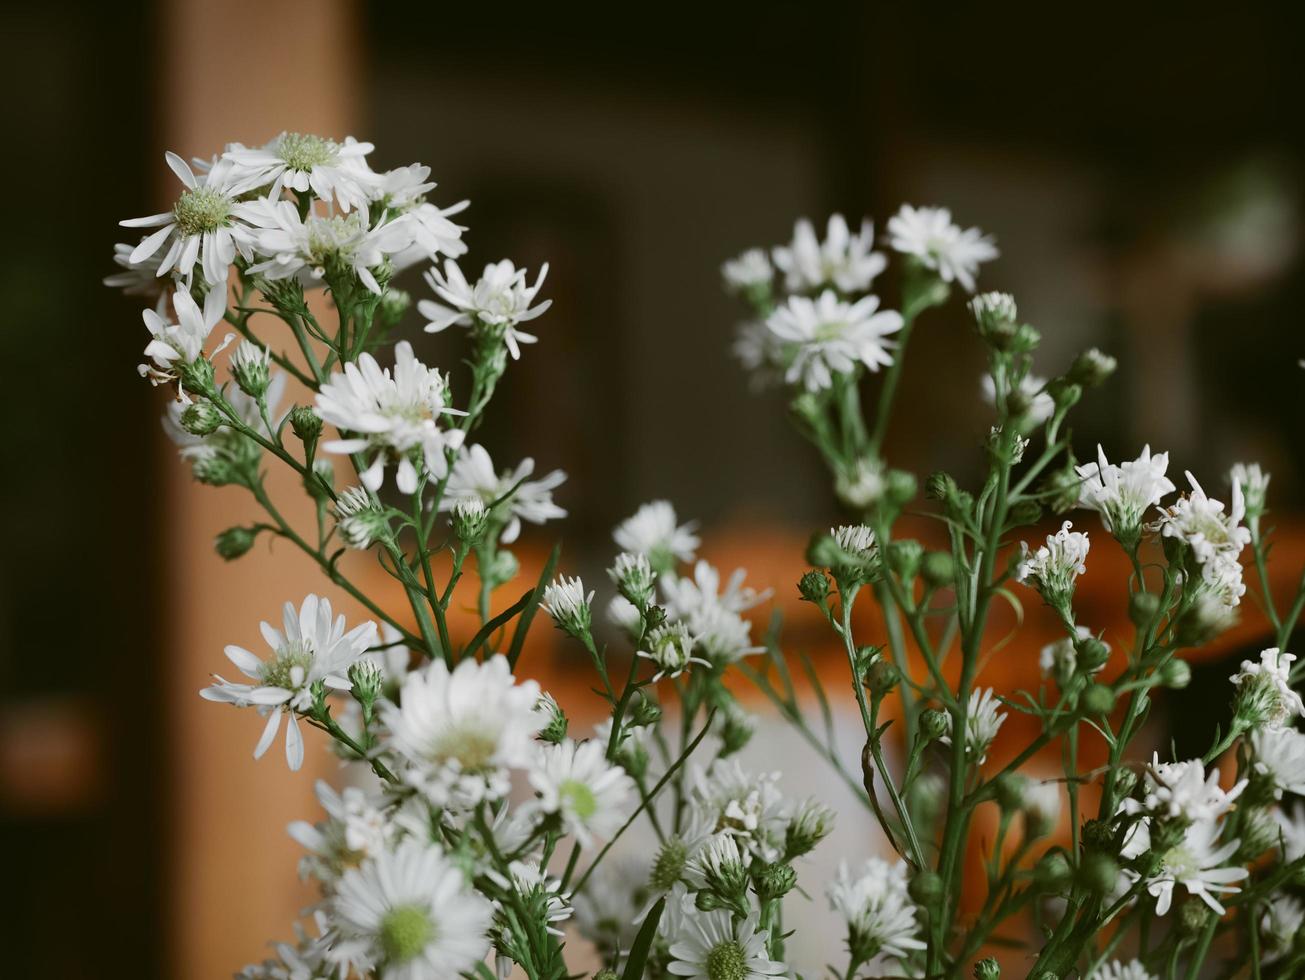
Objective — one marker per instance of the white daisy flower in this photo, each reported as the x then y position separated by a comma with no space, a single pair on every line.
392,415
336,173
1200,522
474,478
180,343
746,805
760,352
1055,566
1264,691
930,236
1279,755
1032,388
500,298
1182,789
311,647
879,914
206,226
461,731
669,647
844,260
355,828
653,531
1122,493
828,336
575,781
404,190
1196,862
710,613
567,602
747,271
982,722
714,947
1119,970
412,910
1281,926
305,248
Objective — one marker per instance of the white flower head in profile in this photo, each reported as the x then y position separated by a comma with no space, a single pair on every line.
930,236
748,271
474,478
574,780
845,260
1281,925
1122,493
1120,970
312,646
174,344
207,226
336,173
713,947
411,909
1279,756
873,901
827,336
1182,789
670,648
1056,565
711,613
1265,695
501,298
462,730
1199,522
982,723
404,191
391,415
654,531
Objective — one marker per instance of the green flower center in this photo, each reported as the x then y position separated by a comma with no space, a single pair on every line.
302,151
336,237
473,748
726,962
669,865
281,671
830,331
404,932
579,797
1181,863
201,210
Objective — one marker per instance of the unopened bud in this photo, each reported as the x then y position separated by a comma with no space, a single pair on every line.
933,723
900,487
814,586
1091,654
904,557
938,569
987,969
251,367
1099,873
1193,917
1142,608
1098,699
926,887
1009,787
306,424
235,542
775,881
1175,673
1091,368
470,519
882,677
201,419
1052,873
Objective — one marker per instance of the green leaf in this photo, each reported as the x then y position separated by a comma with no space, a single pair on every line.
643,943
532,604
501,619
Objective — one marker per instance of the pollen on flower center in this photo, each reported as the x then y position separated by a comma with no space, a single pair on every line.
832,330
404,932
473,749
289,668
302,151
726,962
201,210
580,798
1181,863
669,865
335,237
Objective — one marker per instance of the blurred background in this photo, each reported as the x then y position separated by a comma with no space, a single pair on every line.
1141,174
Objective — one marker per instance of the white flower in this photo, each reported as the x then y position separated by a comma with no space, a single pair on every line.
711,613
567,602
634,577
306,248
1254,483
843,259
748,271
1281,926
174,344
874,903
403,190
1182,789
474,478
1196,862
857,540
312,647
355,828
993,308
670,647
412,910
1033,390
653,531
136,278
861,485
1123,493
500,298
1055,566
1200,523
575,781
334,172
713,947
745,805
930,236
358,518
1264,689
206,225
1119,970
982,722
828,336
1292,827
462,730
1279,754
393,415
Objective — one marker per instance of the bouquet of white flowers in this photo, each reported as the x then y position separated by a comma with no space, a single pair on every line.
475,828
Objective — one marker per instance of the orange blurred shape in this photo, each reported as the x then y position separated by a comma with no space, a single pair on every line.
50,757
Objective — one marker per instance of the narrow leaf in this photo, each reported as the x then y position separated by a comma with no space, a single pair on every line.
643,943
528,611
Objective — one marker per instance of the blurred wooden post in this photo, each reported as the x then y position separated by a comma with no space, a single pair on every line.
236,70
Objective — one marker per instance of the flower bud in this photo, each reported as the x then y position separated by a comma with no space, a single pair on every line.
814,587
470,519
1175,673
1065,396
1125,781
644,711
502,568
1025,512
1099,835
987,969
606,975
306,424
1062,489
809,825
938,569
1091,654
197,377
1099,873
634,578
904,557
774,881
365,683
939,486
554,730
926,797
1193,917
705,901
1142,608
201,418
1091,368
251,367
881,677
1009,787
822,550
394,303
860,487
933,723
1098,699
235,542
900,487
735,730
995,318
1026,339
926,887
1052,873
